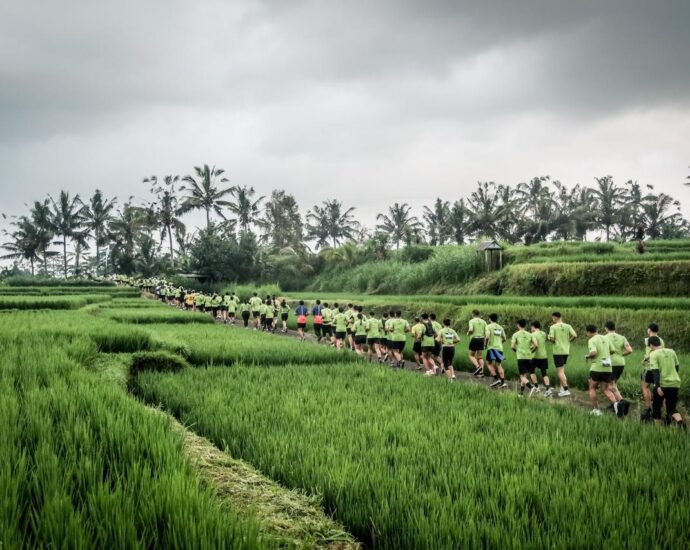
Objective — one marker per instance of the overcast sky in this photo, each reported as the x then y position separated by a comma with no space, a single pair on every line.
370,101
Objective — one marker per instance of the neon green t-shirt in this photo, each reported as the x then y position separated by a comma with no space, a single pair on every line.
399,326
359,327
539,338
495,336
617,345
601,362
255,303
448,336
666,361
417,331
373,327
561,334
648,350
340,321
477,327
521,342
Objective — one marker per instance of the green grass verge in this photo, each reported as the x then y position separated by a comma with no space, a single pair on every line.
407,462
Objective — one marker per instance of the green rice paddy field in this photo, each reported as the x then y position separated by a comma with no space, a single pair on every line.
386,458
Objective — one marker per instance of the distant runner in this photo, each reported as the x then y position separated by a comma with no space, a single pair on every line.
495,336
477,333
561,334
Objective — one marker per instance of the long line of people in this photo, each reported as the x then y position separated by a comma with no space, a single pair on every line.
384,337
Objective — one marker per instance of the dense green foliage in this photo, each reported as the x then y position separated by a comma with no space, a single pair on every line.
82,465
406,462
50,302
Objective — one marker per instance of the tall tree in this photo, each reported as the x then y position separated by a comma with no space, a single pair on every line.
67,219
97,215
459,221
41,217
167,209
125,228
282,222
245,209
330,221
438,222
25,243
608,197
483,205
398,222
203,192
660,211
538,207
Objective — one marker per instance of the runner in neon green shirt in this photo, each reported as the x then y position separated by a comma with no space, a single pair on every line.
417,330
493,342
619,347
664,365
399,329
340,321
647,377
359,333
561,334
540,359
448,338
374,329
477,333
600,371
521,343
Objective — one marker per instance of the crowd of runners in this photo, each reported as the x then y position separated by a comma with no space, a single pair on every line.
383,338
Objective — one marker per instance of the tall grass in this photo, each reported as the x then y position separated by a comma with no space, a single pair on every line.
50,302
26,280
84,466
407,462
147,316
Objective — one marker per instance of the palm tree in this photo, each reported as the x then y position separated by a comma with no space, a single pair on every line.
658,213
398,222
67,218
203,192
282,222
608,197
459,220
26,242
145,260
98,214
245,209
538,208
330,222
41,218
438,222
167,209
483,205
125,228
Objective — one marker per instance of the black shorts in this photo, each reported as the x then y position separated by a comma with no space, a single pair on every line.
617,371
428,349
541,364
245,315
302,325
476,344
284,316
671,399
318,329
524,366
256,314
349,331
214,310
437,348
201,308
231,314
397,345
372,341
647,376
327,330
417,347
340,335
360,340
560,360
448,354
222,308
596,376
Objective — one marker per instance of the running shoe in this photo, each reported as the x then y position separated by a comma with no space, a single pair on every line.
616,408
477,371
533,390
564,393
548,393
429,373
596,412
504,384
495,384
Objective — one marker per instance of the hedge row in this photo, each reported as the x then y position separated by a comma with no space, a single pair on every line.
592,279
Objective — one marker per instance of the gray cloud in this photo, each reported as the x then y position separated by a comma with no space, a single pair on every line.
368,101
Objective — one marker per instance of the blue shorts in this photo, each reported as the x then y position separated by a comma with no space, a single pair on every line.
495,355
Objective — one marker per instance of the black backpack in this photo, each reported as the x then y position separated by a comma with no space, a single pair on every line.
429,330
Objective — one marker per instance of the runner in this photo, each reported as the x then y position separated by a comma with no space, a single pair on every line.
255,305
428,346
245,311
327,328
359,332
521,343
647,376
495,336
340,320
350,314
477,332
664,366
388,319
231,305
199,302
399,329
223,308
284,314
189,301
301,313
540,359
269,313
437,344
417,332
561,334
600,371
448,338
374,327
208,305
317,316
619,346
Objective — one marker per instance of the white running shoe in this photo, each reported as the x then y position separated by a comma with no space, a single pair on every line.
596,412
533,391
564,393
548,393
429,373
